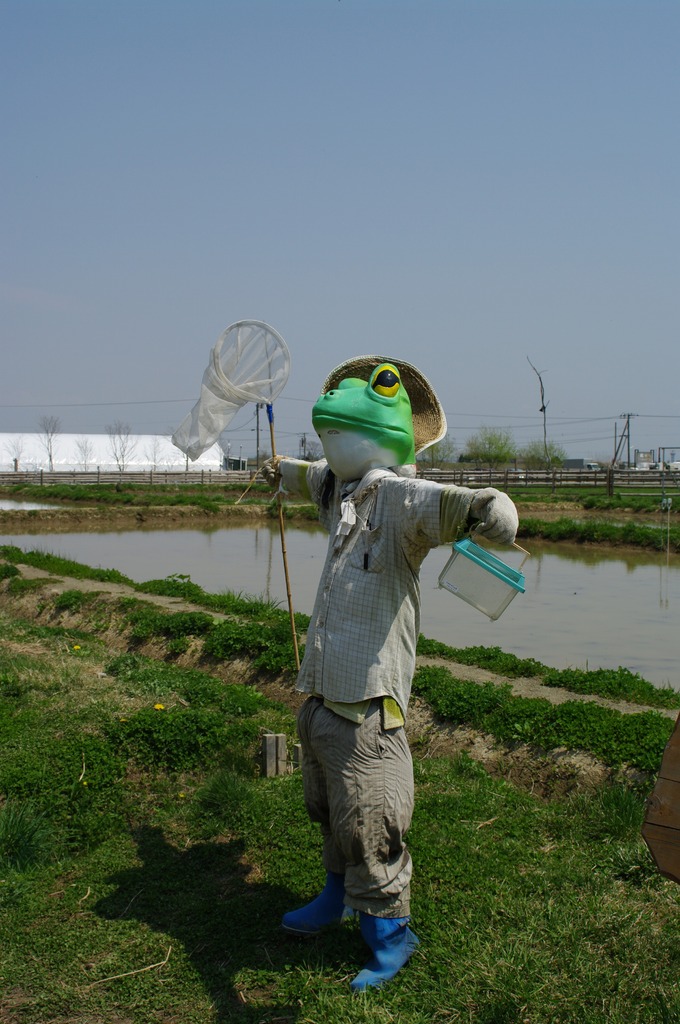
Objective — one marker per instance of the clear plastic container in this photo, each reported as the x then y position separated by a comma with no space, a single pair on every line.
480,578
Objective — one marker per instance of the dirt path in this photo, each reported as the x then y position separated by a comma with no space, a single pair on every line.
545,773
521,687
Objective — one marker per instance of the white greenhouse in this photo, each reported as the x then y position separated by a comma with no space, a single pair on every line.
108,453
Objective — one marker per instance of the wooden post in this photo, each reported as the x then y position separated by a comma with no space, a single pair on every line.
269,755
281,754
274,754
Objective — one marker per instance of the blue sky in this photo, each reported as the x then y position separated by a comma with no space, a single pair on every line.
463,185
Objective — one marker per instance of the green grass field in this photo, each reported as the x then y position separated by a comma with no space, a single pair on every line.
145,863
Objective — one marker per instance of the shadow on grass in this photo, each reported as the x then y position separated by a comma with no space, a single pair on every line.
227,922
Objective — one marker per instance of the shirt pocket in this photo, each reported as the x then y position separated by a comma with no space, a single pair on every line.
370,551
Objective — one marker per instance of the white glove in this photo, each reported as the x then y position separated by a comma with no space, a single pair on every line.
270,471
496,513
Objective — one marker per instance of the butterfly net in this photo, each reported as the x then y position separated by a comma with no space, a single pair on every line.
249,363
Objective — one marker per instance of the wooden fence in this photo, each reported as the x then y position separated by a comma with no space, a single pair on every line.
45,478
608,480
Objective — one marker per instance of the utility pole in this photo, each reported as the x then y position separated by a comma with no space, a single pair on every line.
625,436
543,410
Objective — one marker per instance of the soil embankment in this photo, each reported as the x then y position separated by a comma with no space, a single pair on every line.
123,517
70,518
544,773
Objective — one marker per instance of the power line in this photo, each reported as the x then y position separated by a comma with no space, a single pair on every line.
146,401
308,401
96,405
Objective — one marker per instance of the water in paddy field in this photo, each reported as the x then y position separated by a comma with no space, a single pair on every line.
583,607
26,506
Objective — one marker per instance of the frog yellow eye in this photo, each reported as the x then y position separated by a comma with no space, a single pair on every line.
386,382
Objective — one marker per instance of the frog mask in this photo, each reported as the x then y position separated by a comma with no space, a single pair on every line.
369,423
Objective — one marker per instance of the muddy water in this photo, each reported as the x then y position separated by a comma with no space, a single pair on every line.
25,506
582,607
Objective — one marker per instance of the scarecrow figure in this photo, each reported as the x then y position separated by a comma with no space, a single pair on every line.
373,416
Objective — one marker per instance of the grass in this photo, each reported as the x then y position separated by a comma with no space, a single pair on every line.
24,836
192,492
637,740
259,629
213,499
59,566
588,498
217,498
138,495
601,531
647,504
145,864
615,684
526,910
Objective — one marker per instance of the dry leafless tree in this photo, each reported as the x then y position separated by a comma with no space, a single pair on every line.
50,428
121,442
85,450
15,449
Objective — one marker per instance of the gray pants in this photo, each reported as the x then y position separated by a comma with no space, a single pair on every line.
358,784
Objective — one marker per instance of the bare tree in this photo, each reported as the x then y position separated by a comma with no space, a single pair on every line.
15,450
85,450
543,410
153,451
121,442
50,428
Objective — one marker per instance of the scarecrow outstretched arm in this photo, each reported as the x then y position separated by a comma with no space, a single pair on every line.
294,477
454,511
488,511
291,474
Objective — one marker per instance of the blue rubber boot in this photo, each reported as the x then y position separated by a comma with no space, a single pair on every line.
392,943
325,909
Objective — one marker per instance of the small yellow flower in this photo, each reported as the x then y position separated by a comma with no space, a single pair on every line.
76,647
84,782
181,796
159,707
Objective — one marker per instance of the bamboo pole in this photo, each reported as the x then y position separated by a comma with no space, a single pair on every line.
279,503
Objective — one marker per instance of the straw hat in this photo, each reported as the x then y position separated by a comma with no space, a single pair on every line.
429,421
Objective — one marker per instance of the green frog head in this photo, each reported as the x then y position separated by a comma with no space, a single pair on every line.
366,425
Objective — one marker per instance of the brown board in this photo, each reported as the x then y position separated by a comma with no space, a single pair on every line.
661,828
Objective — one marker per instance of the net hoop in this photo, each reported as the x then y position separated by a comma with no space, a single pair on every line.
250,362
